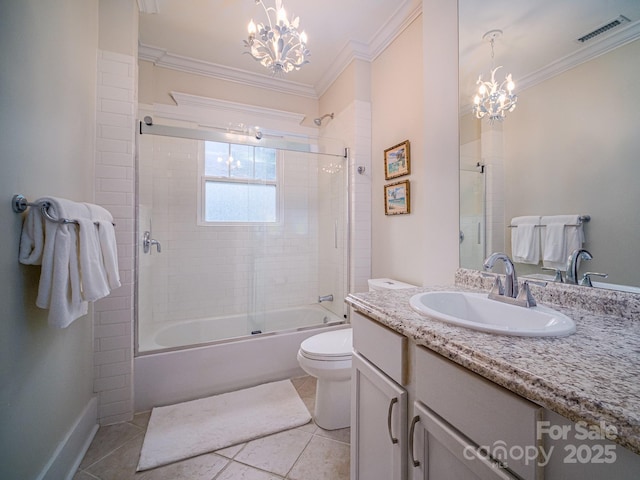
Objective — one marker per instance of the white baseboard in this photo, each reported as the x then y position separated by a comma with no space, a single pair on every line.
70,452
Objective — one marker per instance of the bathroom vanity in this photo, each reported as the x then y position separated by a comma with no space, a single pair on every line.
432,400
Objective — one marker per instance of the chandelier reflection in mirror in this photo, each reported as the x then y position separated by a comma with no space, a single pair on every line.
492,100
276,44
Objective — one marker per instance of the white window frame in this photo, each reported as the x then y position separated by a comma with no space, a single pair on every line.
203,179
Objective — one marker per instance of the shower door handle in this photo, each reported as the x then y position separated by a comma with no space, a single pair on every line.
148,242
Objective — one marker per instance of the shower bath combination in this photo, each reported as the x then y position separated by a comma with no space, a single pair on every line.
220,293
268,267
318,121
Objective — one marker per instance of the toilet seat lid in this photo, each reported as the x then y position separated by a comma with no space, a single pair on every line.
335,345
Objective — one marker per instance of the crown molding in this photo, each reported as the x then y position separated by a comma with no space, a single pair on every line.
399,21
617,39
351,51
165,59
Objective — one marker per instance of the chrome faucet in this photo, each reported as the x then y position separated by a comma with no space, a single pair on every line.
573,264
325,298
511,279
148,242
510,292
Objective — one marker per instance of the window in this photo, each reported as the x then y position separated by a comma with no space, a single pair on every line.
240,184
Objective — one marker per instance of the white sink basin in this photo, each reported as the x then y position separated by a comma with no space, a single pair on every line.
476,311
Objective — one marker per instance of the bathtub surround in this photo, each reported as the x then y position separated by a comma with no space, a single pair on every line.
176,376
192,428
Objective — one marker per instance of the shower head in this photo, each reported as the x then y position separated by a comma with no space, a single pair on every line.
318,121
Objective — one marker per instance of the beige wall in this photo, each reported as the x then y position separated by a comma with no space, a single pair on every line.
396,95
48,76
414,97
354,83
118,23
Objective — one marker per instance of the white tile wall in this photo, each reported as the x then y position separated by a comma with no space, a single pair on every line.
353,125
114,189
206,271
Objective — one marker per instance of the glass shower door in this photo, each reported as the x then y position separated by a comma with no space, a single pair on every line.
472,218
219,274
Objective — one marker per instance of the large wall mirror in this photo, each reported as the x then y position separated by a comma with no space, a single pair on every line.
572,144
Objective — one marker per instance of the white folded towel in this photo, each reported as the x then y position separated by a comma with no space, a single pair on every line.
93,276
32,238
65,298
525,239
563,234
107,241
55,246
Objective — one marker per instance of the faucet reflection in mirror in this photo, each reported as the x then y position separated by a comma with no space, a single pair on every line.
492,100
573,265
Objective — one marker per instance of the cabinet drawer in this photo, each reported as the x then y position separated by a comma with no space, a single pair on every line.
380,345
489,415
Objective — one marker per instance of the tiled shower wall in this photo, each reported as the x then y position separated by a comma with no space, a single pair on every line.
114,189
353,126
205,271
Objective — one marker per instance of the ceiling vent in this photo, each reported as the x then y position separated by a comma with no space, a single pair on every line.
616,22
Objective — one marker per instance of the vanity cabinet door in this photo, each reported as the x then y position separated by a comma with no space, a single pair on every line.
378,424
439,452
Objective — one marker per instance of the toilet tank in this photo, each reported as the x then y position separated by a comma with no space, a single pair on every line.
387,284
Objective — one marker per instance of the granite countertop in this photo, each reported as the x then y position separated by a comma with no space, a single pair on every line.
592,375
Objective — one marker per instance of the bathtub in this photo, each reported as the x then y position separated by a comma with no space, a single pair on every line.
216,363
213,329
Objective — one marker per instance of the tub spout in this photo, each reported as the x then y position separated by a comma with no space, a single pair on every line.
325,298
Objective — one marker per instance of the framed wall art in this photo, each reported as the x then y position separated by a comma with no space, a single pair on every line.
397,161
396,198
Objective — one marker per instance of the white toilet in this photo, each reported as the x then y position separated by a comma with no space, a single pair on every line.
327,356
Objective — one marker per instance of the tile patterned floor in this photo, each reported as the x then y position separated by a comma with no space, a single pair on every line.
303,453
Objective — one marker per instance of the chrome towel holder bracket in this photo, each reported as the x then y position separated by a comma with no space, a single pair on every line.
19,204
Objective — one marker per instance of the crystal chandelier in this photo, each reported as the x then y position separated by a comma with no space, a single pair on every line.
492,99
277,44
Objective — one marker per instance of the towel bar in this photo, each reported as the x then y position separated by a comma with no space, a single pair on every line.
20,204
581,218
